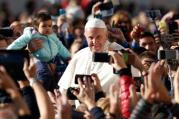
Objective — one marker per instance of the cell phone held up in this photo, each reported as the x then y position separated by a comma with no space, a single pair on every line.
13,61
106,6
168,54
70,94
101,57
106,58
153,14
138,82
82,77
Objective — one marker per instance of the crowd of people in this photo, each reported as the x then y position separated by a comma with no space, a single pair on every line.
105,65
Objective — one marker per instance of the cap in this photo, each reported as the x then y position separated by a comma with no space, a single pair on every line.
95,23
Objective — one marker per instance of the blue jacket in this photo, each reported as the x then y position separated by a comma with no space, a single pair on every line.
51,45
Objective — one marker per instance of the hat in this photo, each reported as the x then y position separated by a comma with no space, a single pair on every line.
95,23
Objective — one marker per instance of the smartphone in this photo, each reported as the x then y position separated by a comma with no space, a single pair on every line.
153,14
168,54
138,82
100,0
7,32
13,61
81,77
172,26
101,57
106,6
105,57
106,9
69,93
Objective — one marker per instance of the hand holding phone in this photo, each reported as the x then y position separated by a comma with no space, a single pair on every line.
70,94
138,82
118,62
82,77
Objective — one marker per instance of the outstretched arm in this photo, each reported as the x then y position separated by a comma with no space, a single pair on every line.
22,41
43,101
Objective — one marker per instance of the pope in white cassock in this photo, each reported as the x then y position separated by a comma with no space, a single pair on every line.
97,38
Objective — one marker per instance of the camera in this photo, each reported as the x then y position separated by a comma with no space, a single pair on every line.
13,61
168,54
81,77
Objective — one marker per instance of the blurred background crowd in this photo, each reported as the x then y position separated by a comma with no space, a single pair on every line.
146,69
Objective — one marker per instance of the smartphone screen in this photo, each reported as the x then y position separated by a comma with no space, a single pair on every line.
6,32
106,6
138,82
168,54
101,57
69,93
153,13
13,61
81,77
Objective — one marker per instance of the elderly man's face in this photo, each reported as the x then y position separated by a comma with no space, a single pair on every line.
96,38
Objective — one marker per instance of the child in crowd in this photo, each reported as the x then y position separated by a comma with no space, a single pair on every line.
50,52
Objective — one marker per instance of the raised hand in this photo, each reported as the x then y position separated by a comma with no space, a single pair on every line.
29,70
63,108
176,86
136,32
6,82
118,60
96,82
86,93
154,89
135,61
114,98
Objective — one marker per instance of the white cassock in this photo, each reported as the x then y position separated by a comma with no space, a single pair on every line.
82,63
